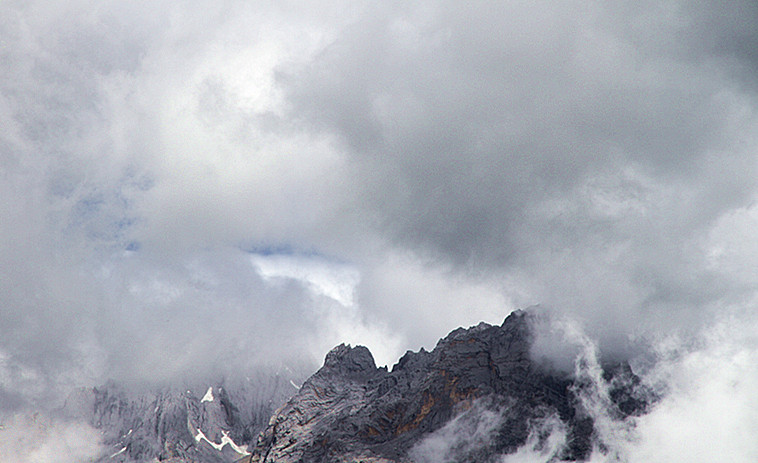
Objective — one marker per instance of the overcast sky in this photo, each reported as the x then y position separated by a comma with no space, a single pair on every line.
204,186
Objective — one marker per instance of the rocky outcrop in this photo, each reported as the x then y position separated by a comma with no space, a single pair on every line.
350,410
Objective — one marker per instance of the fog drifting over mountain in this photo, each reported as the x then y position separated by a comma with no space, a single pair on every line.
198,189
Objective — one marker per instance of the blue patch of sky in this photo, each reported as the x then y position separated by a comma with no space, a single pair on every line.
289,250
270,249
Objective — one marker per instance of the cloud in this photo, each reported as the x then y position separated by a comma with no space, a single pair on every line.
462,161
546,440
559,146
143,154
420,301
467,435
709,408
328,278
36,437
473,434
701,404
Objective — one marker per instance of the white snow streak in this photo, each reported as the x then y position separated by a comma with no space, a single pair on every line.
225,439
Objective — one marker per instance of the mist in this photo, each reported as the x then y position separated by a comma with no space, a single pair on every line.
700,396
208,188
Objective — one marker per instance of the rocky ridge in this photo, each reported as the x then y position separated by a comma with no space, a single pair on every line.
352,411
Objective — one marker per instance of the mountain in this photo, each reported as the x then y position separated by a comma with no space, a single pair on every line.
479,394
213,424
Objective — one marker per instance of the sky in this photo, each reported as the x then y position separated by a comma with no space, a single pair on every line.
204,187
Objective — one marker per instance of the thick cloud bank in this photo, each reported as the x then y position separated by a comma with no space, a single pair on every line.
211,186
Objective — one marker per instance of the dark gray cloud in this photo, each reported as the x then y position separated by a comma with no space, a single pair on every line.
586,147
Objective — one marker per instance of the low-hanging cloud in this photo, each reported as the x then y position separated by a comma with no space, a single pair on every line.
27,438
700,396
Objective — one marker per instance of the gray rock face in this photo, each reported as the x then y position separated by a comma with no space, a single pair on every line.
214,424
350,410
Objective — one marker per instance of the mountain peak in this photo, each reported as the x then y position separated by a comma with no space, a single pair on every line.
353,411
345,359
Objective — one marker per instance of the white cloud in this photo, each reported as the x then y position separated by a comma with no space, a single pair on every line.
705,408
709,408
331,279
461,437
27,438
423,302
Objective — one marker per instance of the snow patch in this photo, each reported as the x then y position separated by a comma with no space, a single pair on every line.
208,397
294,385
119,452
225,439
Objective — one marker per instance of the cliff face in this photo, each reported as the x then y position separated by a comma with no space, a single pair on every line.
350,410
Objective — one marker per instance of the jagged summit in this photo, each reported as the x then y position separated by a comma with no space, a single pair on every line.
349,361
350,410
